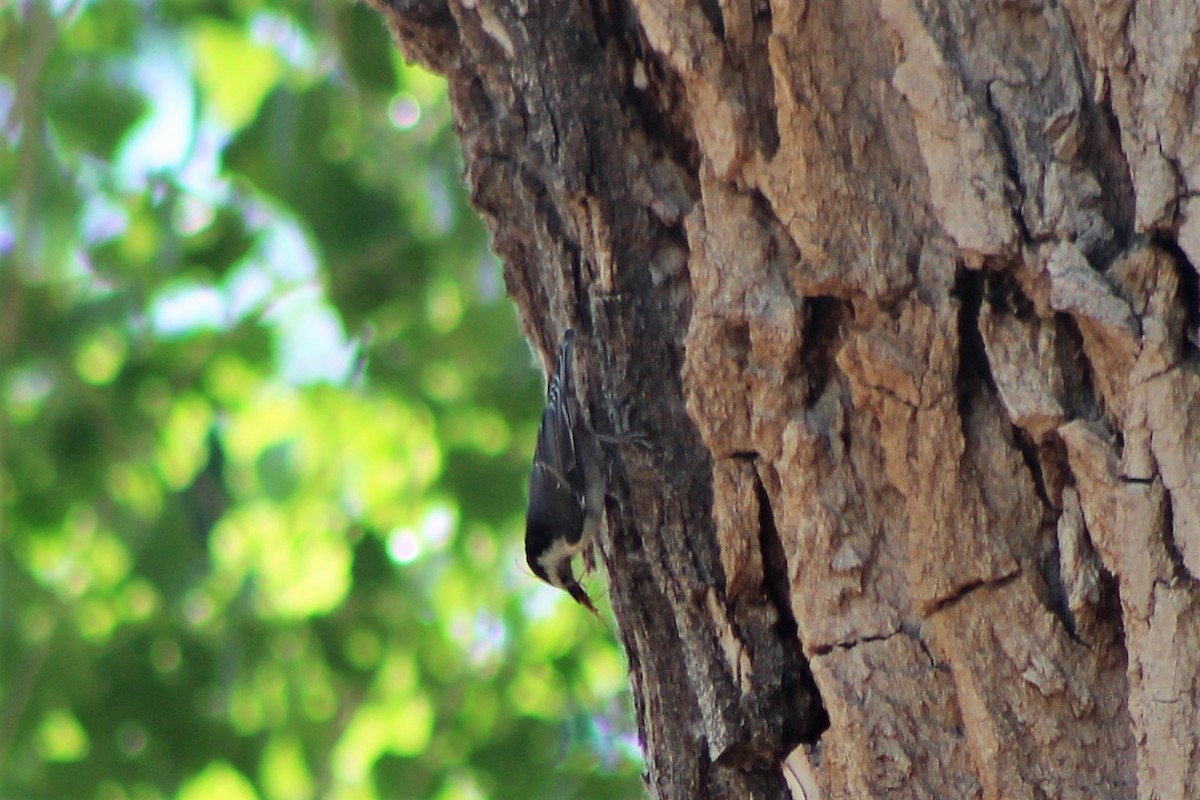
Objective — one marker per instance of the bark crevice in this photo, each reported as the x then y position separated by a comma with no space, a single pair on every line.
806,718
962,592
823,320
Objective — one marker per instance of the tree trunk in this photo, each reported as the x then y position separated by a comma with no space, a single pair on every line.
904,293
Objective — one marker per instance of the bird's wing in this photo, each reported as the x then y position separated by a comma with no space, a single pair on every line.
555,449
551,499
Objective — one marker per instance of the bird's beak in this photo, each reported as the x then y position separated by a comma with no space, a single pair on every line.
576,591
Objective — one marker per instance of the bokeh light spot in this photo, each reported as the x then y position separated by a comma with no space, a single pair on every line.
218,780
100,358
60,737
404,111
131,739
403,546
165,655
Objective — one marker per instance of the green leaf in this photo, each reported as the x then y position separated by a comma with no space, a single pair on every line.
235,73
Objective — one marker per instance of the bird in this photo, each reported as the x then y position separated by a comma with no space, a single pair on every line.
566,484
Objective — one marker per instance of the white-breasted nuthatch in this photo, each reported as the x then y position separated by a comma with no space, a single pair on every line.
566,486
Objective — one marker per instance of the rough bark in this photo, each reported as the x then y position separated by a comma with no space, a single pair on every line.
905,293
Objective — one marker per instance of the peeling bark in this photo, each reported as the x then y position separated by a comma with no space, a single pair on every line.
905,293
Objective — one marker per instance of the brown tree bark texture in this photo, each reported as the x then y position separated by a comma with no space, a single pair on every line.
905,292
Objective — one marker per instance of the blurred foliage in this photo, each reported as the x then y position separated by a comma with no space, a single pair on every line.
266,426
